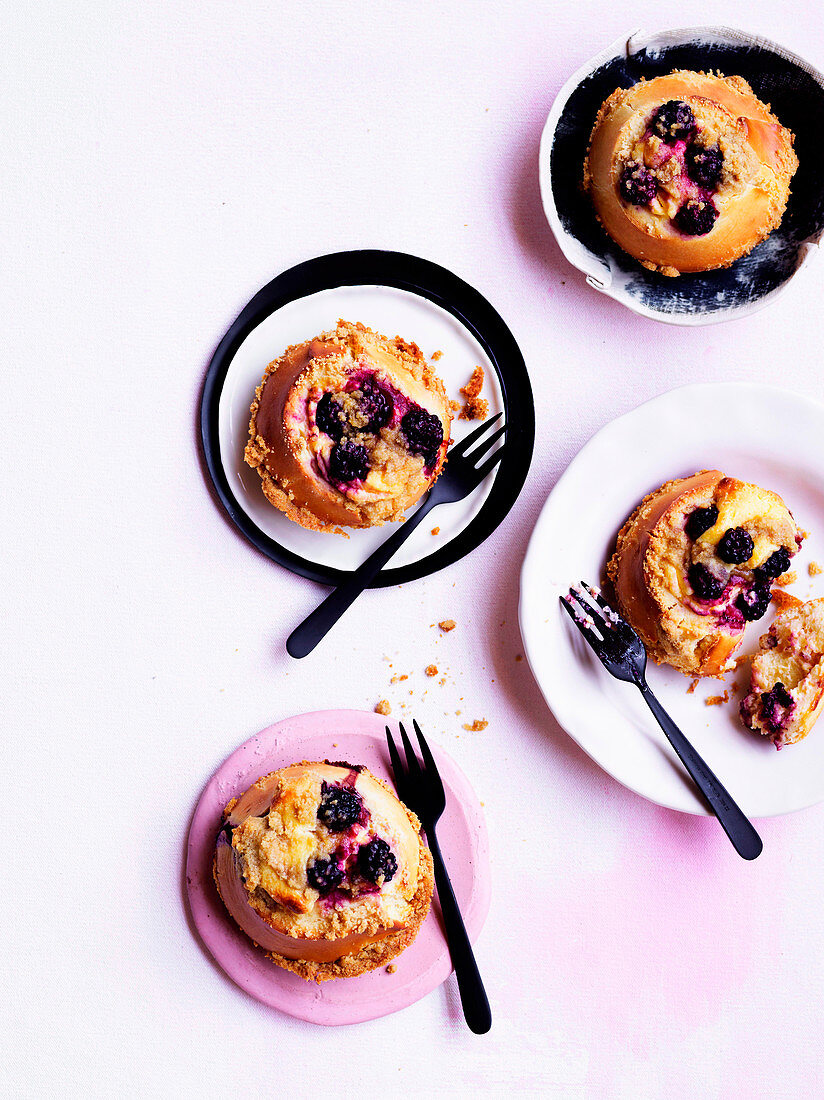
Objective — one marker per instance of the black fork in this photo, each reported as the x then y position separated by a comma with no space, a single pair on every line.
622,654
422,790
460,477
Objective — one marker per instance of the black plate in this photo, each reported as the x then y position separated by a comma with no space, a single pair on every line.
395,269
777,78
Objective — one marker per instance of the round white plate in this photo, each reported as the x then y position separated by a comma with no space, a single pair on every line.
390,311
757,433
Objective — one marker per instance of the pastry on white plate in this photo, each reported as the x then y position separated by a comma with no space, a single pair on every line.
786,693
695,562
348,429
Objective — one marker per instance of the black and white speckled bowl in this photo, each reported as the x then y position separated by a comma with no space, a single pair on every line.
796,92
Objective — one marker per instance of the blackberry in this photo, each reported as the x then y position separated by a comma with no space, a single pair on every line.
424,433
348,462
705,584
776,706
340,808
704,164
696,217
753,602
777,563
735,546
637,184
330,417
376,862
673,121
324,875
700,520
376,406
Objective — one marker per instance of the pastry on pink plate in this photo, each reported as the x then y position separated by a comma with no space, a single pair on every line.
786,695
689,171
348,429
324,868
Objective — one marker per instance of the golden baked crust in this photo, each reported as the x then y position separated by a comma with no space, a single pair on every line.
373,955
277,832
291,453
790,655
750,196
650,568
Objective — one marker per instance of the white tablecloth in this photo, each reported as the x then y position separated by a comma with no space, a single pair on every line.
162,161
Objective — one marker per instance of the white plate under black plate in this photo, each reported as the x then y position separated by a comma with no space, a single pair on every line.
395,294
796,92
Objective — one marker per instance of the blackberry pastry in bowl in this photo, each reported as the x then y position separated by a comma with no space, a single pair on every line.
322,866
695,562
786,693
688,172
348,429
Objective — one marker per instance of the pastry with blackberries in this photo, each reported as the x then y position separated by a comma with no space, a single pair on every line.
690,171
348,429
695,562
324,868
786,695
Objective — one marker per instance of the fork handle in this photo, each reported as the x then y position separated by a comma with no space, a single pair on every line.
738,828
316,626
474,1001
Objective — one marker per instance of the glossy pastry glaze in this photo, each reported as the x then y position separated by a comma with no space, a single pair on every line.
756,164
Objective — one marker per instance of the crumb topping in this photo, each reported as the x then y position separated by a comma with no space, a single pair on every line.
475,407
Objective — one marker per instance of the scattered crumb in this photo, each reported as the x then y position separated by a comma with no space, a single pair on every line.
454,406
447,625
436,355
478,725
396,679
457,712
442,681
519,656
436,530
391,968
814,569
787,578
475,407
383,707
717,700
431,670
693,686
784,600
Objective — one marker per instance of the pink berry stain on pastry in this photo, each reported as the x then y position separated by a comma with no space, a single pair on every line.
695,562
688,172
348,429
324,868
786,694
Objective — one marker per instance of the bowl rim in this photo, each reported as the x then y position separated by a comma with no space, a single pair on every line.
580,258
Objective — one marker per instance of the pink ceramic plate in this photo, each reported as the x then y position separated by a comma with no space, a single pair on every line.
359,738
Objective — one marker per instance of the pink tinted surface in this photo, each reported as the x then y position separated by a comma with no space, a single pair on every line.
358,738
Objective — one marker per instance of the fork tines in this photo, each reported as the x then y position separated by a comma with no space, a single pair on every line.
596,620
410,779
